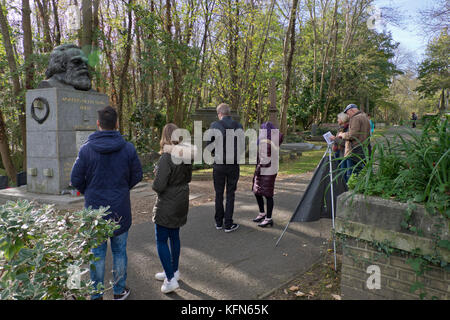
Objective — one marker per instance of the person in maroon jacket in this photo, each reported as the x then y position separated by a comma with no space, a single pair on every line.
263,183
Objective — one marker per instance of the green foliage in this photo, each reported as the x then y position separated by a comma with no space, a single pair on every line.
411,166
145,137
39,245
434,70
294,138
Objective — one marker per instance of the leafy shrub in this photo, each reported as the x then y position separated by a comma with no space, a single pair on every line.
294,138
39,246
412,166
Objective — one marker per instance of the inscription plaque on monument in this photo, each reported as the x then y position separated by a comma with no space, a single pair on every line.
60,114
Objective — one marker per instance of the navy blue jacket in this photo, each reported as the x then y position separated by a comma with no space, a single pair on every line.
222,125
106,169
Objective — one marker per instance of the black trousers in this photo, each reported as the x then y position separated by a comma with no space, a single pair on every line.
225,175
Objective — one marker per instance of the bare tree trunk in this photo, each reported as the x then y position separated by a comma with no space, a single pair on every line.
289,48
332,76
166,86
233,36
4,29
251,90
312,14
326,57
86,29
199,101
43,9
123,74
142,83
152,76
95,35
351,20
95,23
442,101
29,68
109,59
5,152
57,26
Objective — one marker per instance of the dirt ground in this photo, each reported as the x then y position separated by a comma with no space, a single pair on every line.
320,282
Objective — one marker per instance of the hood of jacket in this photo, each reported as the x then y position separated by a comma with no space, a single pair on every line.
106,141
183,151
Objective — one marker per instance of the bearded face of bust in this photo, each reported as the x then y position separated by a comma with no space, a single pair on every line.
77,71
68,66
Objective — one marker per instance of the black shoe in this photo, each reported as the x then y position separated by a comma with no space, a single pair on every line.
266,223
259,218
233,227
219,227
123,295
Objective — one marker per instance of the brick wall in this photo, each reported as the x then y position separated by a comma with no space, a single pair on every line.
396,275
363,221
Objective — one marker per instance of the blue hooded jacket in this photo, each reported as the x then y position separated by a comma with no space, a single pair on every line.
106,169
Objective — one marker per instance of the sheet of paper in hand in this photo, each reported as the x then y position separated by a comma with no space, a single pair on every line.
327,136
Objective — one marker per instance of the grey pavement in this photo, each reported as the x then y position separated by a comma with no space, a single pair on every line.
244,264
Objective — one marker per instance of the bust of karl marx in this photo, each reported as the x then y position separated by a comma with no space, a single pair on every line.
67,68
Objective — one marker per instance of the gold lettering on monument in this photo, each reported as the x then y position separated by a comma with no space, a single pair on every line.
84,101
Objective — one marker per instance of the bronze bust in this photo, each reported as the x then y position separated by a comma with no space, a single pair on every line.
67,68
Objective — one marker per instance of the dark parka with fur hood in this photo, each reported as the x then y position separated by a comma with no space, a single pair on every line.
171,183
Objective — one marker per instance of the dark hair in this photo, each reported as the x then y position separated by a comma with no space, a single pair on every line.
107,118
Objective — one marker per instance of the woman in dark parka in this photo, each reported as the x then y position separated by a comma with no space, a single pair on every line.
171,183
266,173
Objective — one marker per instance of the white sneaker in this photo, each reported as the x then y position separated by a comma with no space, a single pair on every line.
160,276
169,286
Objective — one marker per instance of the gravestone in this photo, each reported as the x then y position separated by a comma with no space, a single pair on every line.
208,115
3,182
314,129
21,178
59,119
273,111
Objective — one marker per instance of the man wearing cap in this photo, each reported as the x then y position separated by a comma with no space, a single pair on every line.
357,134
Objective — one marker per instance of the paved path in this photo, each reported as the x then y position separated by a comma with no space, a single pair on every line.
244,264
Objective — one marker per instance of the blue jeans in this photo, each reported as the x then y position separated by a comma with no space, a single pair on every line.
119,253
352,167
169,258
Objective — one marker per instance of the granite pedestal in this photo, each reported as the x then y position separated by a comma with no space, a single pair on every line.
59,121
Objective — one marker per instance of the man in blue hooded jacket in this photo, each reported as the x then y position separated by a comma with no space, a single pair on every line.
106,169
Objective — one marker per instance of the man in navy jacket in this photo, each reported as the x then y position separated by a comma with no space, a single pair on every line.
225,174
106,169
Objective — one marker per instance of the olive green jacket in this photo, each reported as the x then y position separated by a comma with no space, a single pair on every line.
171,184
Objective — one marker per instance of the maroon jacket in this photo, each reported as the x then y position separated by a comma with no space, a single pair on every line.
264,185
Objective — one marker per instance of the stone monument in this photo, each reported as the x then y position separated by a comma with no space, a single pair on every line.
273,111
61,113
